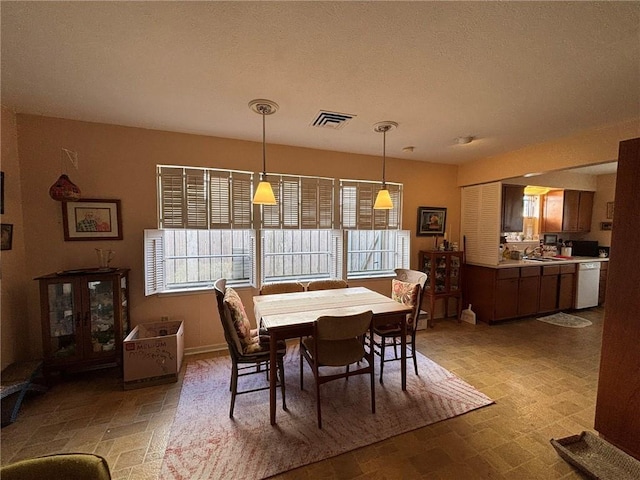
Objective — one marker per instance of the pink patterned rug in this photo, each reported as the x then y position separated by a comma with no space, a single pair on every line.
206,444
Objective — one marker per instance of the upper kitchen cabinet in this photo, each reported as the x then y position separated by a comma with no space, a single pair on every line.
567,211
512,207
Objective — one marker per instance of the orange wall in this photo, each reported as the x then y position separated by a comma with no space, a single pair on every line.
119,163
14,280
598,145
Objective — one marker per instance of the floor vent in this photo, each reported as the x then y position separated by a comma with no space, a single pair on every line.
333,120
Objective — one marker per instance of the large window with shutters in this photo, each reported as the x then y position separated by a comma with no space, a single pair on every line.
320,228
205,230
375,245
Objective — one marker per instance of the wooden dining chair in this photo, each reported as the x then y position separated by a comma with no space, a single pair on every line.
282,287
326,284
407,288
338,341
248,349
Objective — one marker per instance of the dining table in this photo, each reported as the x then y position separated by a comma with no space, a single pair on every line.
292,315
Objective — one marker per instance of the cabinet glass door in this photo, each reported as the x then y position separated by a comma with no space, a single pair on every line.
62,320
102,316
441,273
454,274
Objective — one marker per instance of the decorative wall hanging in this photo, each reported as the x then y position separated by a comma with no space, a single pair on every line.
92,219
610,206
431,221
64,190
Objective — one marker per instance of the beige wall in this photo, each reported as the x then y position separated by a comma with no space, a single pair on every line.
606,192
585,148
14,280
119,163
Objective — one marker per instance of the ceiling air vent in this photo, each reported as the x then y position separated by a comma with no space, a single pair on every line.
333,120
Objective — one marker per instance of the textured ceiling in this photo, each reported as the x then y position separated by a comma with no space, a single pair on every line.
509,74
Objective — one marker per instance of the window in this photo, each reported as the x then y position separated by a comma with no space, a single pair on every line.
375,245
208,229
205,232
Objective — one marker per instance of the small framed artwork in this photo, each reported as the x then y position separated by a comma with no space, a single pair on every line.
606,226
92,219
610,210
431,221
6,236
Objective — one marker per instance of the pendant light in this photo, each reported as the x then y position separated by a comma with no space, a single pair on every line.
383,200
264,192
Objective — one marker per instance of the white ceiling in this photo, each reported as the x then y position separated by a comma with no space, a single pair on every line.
509,74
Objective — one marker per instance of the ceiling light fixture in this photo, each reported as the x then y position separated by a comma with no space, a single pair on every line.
383,200
264,192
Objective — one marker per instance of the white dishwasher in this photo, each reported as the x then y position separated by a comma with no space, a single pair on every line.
588,284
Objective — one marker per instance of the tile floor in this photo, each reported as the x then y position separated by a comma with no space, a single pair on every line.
542,377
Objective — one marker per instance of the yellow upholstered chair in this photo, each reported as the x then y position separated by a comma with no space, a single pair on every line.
338,341
326,284
282,287
407,288
62,466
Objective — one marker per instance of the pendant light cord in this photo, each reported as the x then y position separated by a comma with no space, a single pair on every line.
384,156
264,148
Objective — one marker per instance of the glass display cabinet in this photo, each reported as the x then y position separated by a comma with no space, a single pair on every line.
85,317
444,279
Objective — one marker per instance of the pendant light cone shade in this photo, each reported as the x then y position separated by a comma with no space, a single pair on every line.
264,193
383,200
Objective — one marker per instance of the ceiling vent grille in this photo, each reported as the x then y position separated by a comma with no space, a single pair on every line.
332,120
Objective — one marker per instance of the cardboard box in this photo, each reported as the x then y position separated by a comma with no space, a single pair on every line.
152,354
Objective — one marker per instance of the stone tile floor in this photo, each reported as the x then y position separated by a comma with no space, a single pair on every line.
542,377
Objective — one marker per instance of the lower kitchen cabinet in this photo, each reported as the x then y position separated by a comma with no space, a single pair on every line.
549,289
502,293
567,289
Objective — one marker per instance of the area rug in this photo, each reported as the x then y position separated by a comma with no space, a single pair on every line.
565,320
205,443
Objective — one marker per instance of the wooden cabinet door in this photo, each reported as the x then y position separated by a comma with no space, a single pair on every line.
565,291
549,288
506,298
528,291
571,211
604,270
553,204
512,205
585,210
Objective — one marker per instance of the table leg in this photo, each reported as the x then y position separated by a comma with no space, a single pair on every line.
273,372
403,356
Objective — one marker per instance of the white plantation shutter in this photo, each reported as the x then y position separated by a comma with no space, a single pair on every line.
403,249
338,259
154,277
201,198
357,199
480,222
302,203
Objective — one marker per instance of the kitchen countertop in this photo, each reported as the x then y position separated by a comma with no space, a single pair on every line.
529,263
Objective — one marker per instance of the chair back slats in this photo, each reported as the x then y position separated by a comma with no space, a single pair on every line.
283,287
326,284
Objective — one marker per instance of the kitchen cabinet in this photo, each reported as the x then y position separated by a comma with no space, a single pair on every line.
444,279
567,211
549,282
85,317
512,208
567,287
604,270
503,293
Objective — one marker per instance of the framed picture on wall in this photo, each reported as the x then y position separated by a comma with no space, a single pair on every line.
6,236
92,219
431,221
606,226
610,210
